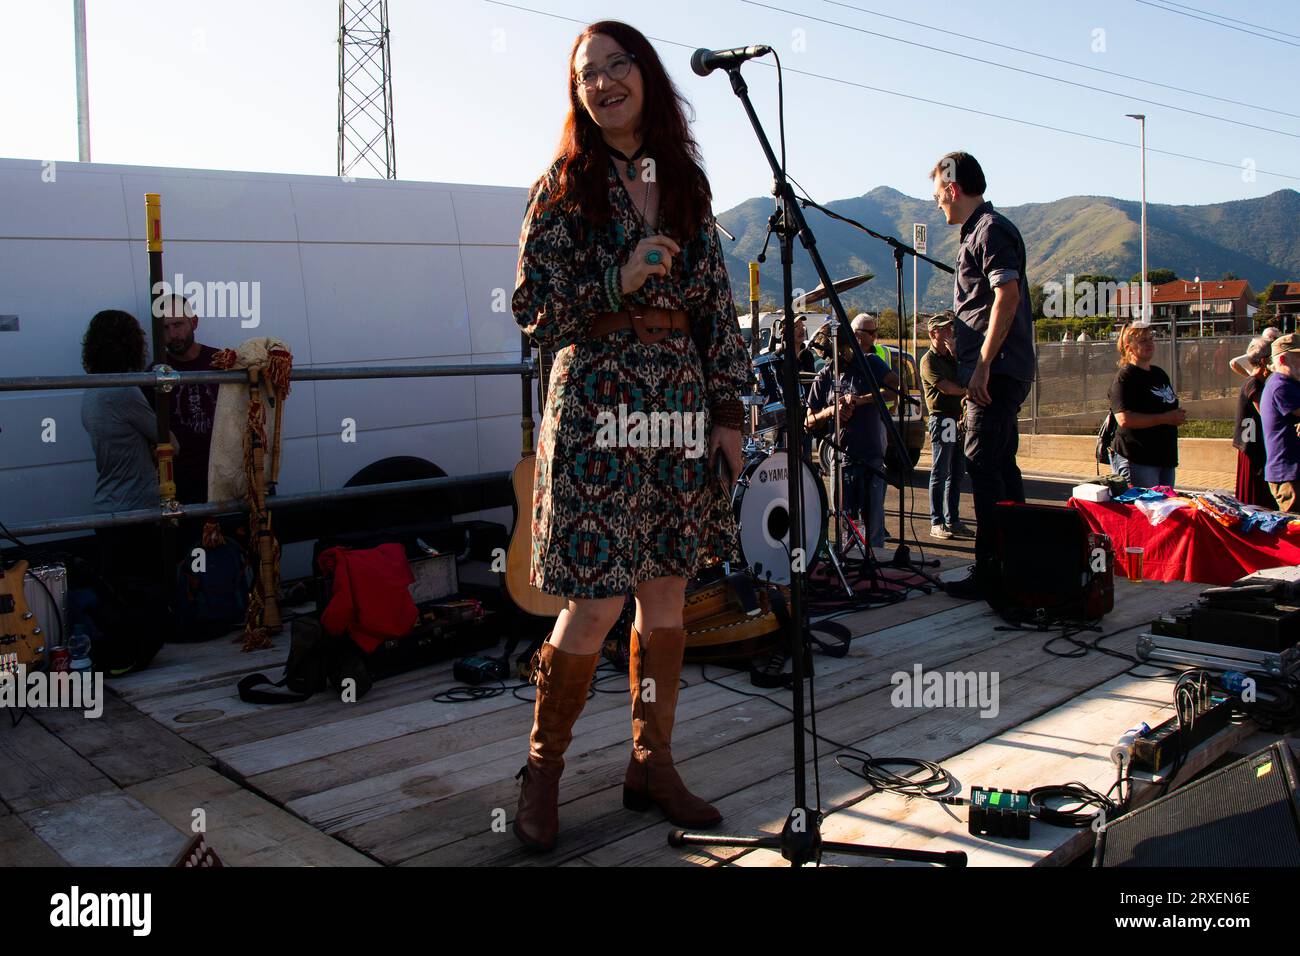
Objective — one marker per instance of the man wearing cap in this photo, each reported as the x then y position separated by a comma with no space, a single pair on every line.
994,343
943,396
1279,411
861,435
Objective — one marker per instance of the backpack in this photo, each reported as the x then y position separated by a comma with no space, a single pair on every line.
317,661
213,602
1106,438
127,623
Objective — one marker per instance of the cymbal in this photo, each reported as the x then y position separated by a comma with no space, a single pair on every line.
840,285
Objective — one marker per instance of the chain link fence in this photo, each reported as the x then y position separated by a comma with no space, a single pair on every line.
1071,391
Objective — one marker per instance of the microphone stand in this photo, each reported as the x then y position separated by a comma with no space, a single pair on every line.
800,841
902,558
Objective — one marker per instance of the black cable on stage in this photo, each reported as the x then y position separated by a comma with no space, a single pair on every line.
1083,648
937,784
1078,796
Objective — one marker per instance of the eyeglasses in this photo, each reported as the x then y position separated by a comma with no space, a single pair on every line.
616,67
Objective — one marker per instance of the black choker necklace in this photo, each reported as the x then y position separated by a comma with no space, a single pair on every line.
630,160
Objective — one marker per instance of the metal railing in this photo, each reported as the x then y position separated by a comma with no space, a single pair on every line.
166,378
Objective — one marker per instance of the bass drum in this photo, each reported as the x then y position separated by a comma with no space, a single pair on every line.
762,507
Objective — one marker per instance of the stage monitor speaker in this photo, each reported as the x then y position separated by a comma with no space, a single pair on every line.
1246,815
1051,567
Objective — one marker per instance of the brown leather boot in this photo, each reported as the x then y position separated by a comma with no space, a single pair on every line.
651,778
563,680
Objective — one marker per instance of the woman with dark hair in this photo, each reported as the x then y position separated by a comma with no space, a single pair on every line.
1248,433
123,430
1145,405
621,271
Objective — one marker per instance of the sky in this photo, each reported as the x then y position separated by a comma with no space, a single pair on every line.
479,90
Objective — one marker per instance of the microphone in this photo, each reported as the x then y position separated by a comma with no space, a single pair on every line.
704,62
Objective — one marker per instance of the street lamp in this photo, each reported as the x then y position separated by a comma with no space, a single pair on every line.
1200,291
1142,119
83,85
1146,296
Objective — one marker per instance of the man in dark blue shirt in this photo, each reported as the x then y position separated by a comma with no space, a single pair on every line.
995,347
862,432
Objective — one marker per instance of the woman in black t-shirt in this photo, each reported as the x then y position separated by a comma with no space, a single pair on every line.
1248,433
1142,399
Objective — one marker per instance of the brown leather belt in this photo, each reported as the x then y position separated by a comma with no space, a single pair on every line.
649,323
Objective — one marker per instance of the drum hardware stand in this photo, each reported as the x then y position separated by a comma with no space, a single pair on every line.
855,537
902,558
800,840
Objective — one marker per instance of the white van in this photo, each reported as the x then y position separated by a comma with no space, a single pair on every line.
812,321
369,272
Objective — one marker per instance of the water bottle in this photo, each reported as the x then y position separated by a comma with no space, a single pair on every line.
79,647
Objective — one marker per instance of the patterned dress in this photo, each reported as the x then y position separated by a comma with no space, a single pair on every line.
610,514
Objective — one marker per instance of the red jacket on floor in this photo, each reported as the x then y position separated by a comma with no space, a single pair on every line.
370,601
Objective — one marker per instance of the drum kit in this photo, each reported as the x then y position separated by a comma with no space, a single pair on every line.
760,499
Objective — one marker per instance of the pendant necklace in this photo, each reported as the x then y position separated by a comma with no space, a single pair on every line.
630,160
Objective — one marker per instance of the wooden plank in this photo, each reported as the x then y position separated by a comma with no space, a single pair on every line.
923,642
728,719
19,846
317,741
182,665
382,760
243,828
247,723
938,736
1018,759
385,759
39,769
933,734
123,744
106,829
834,723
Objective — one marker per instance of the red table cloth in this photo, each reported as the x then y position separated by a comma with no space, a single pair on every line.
1189,545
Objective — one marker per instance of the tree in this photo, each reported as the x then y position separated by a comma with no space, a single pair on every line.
1094,279
1155,276
1036,296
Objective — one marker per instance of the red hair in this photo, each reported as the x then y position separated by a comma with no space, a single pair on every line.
583,158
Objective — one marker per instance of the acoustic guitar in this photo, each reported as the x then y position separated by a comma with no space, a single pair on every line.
519,556
22,640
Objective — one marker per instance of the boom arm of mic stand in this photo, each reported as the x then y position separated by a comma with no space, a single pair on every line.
890,240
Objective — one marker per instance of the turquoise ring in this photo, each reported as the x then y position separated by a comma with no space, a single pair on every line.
654,257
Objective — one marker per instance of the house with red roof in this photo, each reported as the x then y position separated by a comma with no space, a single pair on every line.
1284,297
1223,307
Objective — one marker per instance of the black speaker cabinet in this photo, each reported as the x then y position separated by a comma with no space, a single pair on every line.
1051,567
1246,815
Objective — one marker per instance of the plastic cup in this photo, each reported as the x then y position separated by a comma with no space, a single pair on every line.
1135,564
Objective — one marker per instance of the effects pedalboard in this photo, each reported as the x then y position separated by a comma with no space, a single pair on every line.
1251,625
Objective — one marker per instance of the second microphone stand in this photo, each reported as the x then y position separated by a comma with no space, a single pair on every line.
902,554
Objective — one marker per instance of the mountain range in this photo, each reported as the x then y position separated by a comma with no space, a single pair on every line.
1257,239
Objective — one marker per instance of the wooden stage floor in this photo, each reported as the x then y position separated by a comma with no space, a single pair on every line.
399,779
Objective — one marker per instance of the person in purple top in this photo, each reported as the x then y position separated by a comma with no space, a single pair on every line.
1279,410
